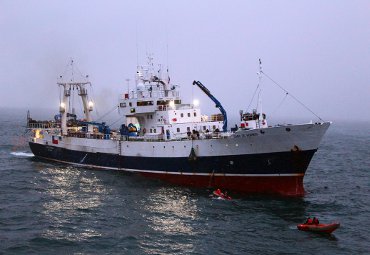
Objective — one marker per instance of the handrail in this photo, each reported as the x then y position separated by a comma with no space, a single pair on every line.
43,125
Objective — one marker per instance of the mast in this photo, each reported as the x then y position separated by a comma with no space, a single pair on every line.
63,109
66,98
88,105
64,105
259,84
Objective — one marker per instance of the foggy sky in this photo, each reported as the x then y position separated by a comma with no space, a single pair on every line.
318,50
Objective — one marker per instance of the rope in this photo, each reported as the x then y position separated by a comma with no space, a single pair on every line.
296,99
115,122
254,94
281,103
107,113
66,69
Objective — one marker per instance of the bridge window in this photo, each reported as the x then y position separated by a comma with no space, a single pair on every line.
195,114
163,102
144,103
178,130
188,114
182,115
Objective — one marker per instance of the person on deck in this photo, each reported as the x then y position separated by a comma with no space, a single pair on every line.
218,192
309,221
315,221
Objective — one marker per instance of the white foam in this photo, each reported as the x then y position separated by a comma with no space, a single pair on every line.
22,154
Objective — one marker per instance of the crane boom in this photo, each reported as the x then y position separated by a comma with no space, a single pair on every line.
218,104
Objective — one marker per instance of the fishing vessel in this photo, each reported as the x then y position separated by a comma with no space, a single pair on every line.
163,137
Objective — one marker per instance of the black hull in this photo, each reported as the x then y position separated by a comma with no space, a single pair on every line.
269,173
286,163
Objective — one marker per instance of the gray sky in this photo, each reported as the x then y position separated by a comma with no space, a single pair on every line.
318,50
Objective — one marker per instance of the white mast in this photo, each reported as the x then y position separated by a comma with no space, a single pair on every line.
87,105
64,104
64,107
260,92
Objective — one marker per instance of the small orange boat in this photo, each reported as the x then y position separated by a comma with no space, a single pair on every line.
319,228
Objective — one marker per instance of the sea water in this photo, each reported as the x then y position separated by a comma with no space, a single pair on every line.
51,208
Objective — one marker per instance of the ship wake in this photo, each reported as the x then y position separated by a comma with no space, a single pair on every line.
22,154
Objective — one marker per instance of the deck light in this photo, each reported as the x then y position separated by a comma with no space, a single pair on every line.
172,104
62,107
91,104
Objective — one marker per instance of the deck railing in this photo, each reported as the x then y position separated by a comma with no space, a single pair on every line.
43,125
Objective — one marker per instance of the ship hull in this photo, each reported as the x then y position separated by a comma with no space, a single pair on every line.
270,160
270,173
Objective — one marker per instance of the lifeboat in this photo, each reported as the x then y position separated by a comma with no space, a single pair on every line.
319,228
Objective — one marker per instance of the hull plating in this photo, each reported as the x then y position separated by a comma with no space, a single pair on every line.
273,173
281,185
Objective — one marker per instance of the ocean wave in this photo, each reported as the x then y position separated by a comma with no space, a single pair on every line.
22,154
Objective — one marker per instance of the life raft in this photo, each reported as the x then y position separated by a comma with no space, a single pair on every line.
319,228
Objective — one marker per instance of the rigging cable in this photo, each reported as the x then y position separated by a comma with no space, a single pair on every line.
254,94
281,103
111,124
296,99
66,69
107,113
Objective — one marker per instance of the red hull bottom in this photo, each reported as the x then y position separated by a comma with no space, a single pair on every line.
280,185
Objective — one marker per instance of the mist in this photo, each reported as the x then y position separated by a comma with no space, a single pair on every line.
318,51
